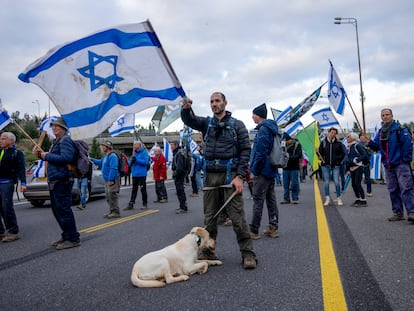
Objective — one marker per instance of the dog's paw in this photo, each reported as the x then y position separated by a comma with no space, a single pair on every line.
185,277
203,269
215,263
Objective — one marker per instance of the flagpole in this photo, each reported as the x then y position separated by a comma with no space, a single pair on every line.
27,135
359,125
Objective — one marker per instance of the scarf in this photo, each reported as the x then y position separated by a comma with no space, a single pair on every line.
385,128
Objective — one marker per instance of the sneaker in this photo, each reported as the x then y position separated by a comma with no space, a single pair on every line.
369,194
356,202
271,232
67,244
163,201
81,207
285,202
254,236
129,207
295,201
249,262
180,211
228,222
55,243
396,217
194,195
327,201
362,203
10,237
112,215
339,202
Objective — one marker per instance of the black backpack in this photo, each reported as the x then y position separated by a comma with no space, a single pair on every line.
81,162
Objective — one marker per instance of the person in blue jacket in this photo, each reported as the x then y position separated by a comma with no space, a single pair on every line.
110,173
395,145
263,174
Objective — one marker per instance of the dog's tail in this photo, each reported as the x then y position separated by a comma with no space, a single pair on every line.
145,283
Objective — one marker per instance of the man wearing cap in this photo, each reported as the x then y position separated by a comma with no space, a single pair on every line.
263,174
60,181
110,173
179,174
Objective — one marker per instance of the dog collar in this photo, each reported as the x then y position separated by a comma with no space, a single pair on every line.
196,238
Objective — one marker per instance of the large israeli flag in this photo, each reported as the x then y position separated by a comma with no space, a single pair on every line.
125,123
336,92
94,80
325,117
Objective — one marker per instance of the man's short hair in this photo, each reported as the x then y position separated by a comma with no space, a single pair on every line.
333,128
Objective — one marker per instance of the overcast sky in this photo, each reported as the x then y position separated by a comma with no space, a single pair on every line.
254,51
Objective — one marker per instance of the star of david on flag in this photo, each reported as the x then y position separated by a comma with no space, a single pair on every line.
116,71
124,123
336,92
325,117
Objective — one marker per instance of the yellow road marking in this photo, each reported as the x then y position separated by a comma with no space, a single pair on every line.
117,221
332,291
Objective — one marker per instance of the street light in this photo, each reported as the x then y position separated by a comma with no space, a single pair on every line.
38,107
353,21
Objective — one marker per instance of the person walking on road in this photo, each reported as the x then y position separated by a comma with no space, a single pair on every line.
110,173
226,152
12,169
332,153
179,173
138,163
60,181
263,174
395,144
159,169
291,184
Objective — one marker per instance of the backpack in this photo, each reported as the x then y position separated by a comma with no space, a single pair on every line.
187,159
81,163
278,156
367,157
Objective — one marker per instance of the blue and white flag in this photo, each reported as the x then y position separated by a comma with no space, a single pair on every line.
275,113
292,128
375,165
125,123
375,133
168,154
5,119
40,170
45,126
284,116
325,117
336,92
94,80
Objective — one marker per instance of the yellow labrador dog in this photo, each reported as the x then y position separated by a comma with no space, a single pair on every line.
175,262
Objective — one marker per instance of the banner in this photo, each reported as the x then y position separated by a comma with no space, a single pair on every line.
94,80
309,139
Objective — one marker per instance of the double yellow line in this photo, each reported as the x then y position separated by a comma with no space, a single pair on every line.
118,221
332,291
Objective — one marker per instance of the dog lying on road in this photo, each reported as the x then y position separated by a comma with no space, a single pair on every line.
175,262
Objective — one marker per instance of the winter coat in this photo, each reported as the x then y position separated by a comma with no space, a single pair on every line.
12,165
262,145
357,156
138,163
109,166
61,154
332,153
295,155
159,168
223,142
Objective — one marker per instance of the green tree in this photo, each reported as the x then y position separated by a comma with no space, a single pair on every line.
95,150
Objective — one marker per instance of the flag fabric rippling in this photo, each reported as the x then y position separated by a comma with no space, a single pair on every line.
336,91
45,126
5,119
125,123
325,117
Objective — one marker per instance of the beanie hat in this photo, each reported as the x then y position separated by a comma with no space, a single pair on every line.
60,122
261,111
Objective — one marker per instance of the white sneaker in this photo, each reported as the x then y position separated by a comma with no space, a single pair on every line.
339,202
327,201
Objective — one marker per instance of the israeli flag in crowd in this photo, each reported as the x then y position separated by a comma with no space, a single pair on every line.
5,119
325,117
292,128
40,169
375,133
284,116
168,154
47,127
125,123
336,92
94,80
376,165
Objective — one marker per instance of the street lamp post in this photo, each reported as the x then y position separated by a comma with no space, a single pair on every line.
38,107
353,21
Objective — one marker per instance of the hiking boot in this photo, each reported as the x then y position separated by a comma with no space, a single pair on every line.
228,222
129,207
254,236
163,201
339,202
180,211
285,202
112,215
249,262
396,217
55,243
271,232
356,202
411,218
10,237
67,244
327,201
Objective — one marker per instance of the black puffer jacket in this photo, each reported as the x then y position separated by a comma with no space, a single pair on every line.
223,142
332,153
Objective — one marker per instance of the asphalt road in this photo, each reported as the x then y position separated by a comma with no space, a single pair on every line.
333,258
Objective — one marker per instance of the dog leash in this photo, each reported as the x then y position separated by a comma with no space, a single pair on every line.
225,203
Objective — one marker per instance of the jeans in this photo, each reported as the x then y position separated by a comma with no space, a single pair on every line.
83,189
61,201
327,173
160,190
137,182
6,208
291,182
264,190
401,188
